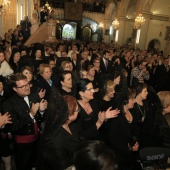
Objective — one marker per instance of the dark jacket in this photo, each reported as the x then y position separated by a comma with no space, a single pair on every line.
22,123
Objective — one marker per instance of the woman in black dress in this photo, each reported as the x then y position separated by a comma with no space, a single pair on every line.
120,133
60,137
140,108
89,119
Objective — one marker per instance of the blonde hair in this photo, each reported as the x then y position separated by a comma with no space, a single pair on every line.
63,64
110,86
42,67
164,97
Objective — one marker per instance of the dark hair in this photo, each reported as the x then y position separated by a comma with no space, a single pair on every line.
116,74
82,86
141,62
16,77
94,155
26,68
140,87
106,51
62,75
2,52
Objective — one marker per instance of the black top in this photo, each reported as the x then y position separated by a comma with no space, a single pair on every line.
87,122
118,135
59,150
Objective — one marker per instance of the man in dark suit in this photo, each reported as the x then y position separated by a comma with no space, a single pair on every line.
25,28
162,76
84,60
27,115
105,63
75,62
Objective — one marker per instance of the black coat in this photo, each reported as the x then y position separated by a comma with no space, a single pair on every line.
43,84
22,123
103,67
162,78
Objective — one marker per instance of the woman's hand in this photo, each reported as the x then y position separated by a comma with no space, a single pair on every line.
43,105
5,119
111,113
42,93
101,118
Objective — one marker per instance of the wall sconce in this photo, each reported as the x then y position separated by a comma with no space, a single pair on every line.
139,20
115,24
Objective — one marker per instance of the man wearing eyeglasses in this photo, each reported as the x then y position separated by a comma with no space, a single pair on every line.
139,74
27,115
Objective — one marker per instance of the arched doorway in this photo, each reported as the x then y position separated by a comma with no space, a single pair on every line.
59,30
154,44
86,33
96,37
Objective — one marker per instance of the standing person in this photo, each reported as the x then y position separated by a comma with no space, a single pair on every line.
90,119
105,63
34,23
120,133
14,60
27,115
5,135
36,11
60,136
139,74
5,69
140,107
44,15
25,28
162,76
45,81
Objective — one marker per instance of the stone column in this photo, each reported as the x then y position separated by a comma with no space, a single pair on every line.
144,29
122,24
51,32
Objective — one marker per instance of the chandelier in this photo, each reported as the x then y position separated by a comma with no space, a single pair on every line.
139,20
4,4
48,6
115,24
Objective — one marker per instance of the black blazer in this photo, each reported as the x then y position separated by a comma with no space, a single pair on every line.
103,67
22,123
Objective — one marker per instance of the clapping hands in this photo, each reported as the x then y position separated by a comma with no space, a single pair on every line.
111,113
5,119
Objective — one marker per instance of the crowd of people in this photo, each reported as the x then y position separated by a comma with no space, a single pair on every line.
60,104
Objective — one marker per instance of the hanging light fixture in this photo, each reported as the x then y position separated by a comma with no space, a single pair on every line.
115,24
139,20
4,5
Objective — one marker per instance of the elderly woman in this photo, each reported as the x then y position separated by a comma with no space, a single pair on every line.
45,82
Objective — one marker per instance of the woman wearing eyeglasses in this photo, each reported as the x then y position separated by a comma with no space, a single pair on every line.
89,119
60,137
